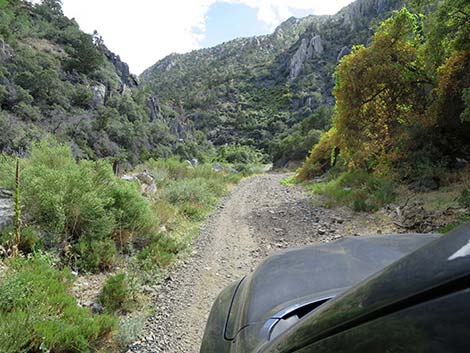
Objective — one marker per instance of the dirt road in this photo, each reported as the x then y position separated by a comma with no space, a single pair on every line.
258,218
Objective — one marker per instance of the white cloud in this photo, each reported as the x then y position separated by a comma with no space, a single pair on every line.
144,31
273,12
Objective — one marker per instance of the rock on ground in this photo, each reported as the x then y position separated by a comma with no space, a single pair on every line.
258,218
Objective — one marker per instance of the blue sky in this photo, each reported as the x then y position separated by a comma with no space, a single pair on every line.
226,21
145,31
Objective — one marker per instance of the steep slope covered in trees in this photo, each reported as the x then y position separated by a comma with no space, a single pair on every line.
56,79
261,91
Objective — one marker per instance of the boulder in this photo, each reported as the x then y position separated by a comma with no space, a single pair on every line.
6,52
7,209
99,94
147,182
217,167
145,178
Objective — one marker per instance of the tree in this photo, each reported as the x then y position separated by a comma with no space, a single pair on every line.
50,9
380,92
85,56
451,105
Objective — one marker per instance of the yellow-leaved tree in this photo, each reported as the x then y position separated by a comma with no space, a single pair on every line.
381,94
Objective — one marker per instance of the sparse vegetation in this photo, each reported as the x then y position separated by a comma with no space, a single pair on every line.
358,190
116,294
38,314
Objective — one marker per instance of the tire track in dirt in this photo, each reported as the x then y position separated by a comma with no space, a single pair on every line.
258,218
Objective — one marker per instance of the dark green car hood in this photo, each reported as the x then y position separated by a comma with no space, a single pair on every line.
300,277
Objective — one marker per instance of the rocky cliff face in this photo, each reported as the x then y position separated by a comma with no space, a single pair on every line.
354,13
122,69
305,51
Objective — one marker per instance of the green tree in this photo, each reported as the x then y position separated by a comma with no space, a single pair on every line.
380,94
85,56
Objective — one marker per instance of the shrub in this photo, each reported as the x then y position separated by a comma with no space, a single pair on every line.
464,198
82,204
238,154
94,255
82,97
65,198
130,329
115,295
321,158
359,190
161,251
38,314
131,211
29,241
193,196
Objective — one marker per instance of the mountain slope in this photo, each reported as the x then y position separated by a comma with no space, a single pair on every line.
255,90
55,79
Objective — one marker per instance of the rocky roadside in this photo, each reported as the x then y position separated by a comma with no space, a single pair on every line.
257,219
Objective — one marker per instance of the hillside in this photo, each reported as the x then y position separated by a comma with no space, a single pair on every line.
257,90
56,79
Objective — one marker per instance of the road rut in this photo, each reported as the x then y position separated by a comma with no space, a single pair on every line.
258,218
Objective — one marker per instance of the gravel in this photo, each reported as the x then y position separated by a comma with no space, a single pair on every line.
258,218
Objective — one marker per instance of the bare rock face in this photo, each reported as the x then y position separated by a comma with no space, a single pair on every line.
306,50
6,52
363,8
122,69
6,209
316,45
99,94
154,107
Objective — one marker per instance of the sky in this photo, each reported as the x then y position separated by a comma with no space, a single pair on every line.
142,32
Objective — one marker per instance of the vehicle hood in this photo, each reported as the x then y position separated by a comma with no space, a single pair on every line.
294,278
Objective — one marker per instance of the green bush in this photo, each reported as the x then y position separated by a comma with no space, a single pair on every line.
195,197
358,190
130,328
116,294
39,315
167,170
82,204
94,255
238,154
66,199
161,251
464,198
82,97
132,212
